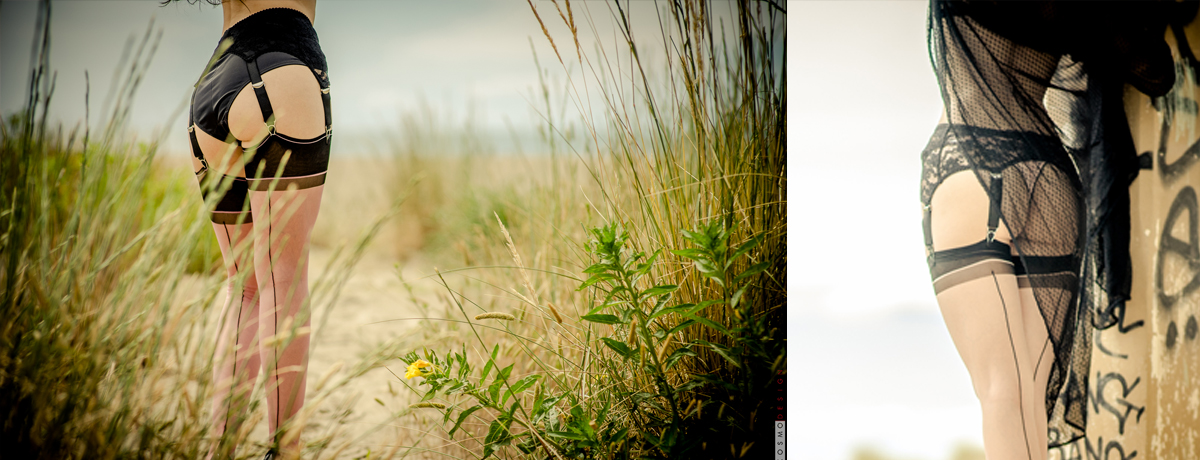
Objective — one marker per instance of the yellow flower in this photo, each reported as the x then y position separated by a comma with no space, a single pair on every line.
415,369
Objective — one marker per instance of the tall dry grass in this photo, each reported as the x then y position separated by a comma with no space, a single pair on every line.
88,284
110,281
106,348
647,300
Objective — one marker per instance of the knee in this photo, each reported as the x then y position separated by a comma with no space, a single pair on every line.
250,290
1001,390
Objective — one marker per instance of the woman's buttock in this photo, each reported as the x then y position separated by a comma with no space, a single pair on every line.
1017,198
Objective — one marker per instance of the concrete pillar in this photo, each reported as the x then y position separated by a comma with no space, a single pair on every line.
1144,393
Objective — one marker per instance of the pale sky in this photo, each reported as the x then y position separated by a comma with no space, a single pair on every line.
865,106
874,363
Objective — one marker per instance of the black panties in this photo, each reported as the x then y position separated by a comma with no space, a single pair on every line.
1003,162
264,41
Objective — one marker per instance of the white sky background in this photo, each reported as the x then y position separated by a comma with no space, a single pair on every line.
873,360
866,103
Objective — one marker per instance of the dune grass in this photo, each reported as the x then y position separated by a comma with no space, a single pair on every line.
620,297
109,272
647,299
88,282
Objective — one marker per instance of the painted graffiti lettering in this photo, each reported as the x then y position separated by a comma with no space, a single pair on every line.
1103,349
1095,453
1120,407
1070,451
1170,172
1188,250
1117,311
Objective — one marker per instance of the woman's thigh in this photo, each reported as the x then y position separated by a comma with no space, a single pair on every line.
984,318
959,213
222,157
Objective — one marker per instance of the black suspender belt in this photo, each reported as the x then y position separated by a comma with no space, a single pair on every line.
307,160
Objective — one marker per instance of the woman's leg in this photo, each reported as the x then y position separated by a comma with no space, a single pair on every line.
986,319
284,219
1043,208
236,358
236,362
1038,340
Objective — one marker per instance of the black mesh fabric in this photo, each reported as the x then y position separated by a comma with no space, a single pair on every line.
1033,97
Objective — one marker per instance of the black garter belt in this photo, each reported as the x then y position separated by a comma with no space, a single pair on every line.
951,267
264,41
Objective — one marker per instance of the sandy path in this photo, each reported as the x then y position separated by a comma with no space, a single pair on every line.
357,324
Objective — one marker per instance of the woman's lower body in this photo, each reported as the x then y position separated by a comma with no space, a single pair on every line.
260,133
265,320
994,302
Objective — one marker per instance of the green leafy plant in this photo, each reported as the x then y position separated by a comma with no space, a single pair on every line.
672,352
489,389
649,345
654,410
752,348
555,421
654,341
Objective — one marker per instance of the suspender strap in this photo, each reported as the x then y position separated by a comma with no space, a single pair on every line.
994,207
195,143
260,91
325,102
328,112
264,102
927,227
196,150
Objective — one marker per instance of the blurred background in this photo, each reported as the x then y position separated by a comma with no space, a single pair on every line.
879,375
385,58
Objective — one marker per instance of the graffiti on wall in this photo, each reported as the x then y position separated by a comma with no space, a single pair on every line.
1173,246
1117,397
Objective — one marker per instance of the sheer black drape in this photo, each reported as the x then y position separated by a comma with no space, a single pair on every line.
1033,93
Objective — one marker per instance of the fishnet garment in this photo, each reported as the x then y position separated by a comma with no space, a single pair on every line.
993,89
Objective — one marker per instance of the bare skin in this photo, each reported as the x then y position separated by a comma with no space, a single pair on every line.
996,326
266,323
981,315
237,10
